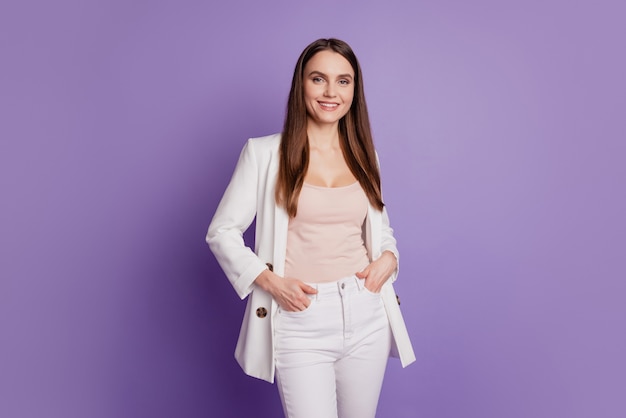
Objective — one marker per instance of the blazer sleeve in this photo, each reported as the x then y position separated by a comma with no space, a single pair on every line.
388,241
233,216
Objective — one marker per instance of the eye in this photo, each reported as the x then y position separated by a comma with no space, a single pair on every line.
344,82
318,80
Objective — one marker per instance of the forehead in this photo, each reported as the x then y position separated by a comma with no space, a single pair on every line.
330,63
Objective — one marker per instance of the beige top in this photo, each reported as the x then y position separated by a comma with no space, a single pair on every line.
324,240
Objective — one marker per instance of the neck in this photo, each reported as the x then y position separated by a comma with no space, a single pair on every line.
323,136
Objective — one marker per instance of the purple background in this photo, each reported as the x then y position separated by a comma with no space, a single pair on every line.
501,132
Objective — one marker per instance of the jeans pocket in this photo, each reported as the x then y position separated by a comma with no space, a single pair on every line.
298,314
366,291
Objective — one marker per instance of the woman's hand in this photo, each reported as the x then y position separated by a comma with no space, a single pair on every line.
378,271
290,294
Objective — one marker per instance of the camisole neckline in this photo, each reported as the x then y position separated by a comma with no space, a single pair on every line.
330,188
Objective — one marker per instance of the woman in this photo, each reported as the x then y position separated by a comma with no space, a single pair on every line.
322,314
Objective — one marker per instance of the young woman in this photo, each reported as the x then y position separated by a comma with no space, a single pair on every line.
322,315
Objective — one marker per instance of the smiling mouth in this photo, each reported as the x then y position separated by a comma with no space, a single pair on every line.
328,106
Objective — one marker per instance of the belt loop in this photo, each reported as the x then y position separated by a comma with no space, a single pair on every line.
360,284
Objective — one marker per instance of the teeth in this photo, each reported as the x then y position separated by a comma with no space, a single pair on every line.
329,104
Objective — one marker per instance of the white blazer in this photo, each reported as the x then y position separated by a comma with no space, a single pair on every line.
250,194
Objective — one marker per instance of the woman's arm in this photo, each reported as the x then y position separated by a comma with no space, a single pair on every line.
386,266
233,216
241,265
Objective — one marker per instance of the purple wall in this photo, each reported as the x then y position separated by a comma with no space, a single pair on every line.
501,131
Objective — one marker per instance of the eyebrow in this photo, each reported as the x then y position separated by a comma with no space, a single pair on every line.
324,75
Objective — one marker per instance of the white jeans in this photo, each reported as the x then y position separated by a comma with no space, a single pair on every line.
331,357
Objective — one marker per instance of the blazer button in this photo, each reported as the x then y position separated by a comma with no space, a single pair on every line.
261,312
270,266
398,299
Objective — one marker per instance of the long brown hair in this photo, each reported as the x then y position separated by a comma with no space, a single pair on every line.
354,133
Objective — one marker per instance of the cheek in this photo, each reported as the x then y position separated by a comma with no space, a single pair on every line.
307,92
348,99
349,95
309,108
311,91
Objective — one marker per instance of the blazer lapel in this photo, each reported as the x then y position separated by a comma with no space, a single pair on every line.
281,225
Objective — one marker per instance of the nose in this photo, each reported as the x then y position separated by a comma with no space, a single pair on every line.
330,90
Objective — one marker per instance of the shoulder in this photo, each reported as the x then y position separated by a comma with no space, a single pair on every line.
262,150
269,143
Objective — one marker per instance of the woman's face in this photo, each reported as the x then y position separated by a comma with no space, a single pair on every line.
328,87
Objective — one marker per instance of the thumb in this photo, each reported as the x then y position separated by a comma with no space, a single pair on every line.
363,273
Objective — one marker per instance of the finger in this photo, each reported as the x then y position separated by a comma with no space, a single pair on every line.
294,306
303,305
308,289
